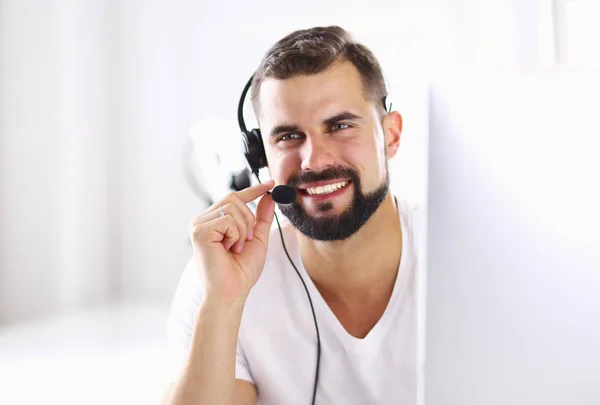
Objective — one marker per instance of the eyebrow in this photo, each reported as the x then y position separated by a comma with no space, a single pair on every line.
283,128
343,116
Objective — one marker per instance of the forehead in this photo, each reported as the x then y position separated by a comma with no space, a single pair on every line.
337,88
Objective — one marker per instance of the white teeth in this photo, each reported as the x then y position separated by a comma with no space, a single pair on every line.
330,188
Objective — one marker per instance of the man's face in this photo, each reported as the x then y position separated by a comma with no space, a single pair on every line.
323,137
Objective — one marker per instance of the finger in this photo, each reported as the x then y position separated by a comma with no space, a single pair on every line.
232,210
230,235
252,193
264,218
247,214
221,230
245,196
213,211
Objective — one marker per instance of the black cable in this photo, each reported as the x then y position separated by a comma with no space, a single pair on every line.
311,307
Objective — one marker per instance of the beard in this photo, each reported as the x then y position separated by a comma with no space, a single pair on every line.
344,225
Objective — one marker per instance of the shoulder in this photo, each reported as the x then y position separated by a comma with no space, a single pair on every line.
275,294
278,276
413,217
281,239
187,298
412,213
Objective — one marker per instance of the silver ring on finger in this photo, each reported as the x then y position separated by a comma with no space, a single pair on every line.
221,212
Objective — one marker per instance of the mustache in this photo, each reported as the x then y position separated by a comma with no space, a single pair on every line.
296,180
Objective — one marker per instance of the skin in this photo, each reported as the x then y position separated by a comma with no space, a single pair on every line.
355,276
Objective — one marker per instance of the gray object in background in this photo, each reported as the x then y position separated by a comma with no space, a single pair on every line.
513,280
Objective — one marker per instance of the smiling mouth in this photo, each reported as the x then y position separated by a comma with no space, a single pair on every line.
324,190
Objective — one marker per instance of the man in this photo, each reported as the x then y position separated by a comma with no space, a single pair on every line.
241,326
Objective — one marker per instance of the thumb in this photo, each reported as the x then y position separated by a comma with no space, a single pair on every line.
264,218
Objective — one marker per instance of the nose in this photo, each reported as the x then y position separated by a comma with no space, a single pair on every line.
317,154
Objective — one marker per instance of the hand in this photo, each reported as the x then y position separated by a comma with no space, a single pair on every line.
230,250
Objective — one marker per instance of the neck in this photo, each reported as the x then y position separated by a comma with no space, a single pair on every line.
365,263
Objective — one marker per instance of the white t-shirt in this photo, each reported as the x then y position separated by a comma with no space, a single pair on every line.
277,344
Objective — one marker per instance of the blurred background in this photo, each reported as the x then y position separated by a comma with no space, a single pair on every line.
118,125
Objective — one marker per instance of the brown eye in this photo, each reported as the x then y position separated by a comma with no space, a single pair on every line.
339,127
289,137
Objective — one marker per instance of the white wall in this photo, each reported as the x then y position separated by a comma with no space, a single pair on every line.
94,114
32,90
96,99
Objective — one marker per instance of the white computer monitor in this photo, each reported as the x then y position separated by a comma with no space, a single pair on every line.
512,314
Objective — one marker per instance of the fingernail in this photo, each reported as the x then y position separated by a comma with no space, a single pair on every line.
250,234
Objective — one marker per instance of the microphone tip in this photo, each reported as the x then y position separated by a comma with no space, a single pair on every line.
283,194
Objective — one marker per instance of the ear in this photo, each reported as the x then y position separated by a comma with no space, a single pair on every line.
392,128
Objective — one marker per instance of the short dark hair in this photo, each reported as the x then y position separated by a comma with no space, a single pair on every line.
311,51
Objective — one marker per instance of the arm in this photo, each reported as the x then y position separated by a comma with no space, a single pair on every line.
245,393
209,376
230,247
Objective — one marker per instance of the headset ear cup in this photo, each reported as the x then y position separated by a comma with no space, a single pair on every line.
253,150
262,156
247,150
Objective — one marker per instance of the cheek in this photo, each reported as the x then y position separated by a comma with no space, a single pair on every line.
365,153
369,159
377,148
281,165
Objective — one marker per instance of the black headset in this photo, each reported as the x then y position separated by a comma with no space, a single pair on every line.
256,158
253,147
